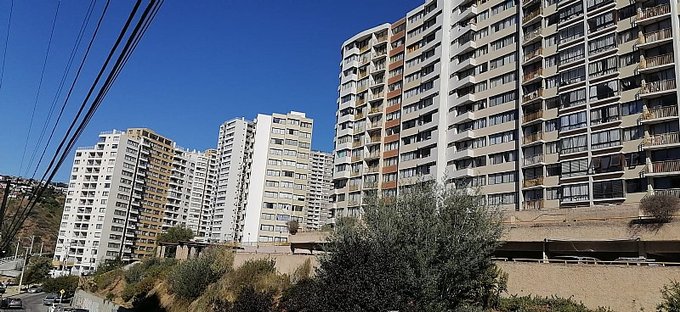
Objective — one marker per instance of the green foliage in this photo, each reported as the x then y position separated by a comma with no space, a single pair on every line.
293,227
250,299
190,278
141,278
108,266
428,250
660,206
304,271
37,270
542,304
671,298
67,283
107,279
176,234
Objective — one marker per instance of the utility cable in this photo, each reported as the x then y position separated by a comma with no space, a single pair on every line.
4,53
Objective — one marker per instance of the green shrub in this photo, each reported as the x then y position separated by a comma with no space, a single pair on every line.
660,206
190,278
67,283
671,298
542,304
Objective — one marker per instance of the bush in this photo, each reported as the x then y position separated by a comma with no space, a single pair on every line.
660,206
293,227
37,270
541,304
67,283
190,278
671,298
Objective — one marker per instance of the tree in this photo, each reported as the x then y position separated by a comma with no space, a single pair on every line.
37,270
176,234
671,298
427,250
660,206
293,227
68,283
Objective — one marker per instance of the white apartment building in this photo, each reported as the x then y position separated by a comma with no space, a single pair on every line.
319,190
539,104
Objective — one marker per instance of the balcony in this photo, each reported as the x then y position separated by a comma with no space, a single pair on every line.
533,182
532,116
359,116
532,96
373,139
374,169
356,144
574,199
359,130
657,87
661,167
532,76
354,173
356,158
468,12
354,187
672,192
535,204
360,101
655,38
533,35
656,62
660,112
370,185
376,110
661,139
652,14
373,155
533,160
533,54
533,137
531,16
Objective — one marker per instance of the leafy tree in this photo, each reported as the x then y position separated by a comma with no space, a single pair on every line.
190,278
671,298
427,250
249,299
541,304
293,227
68,283
108,266
176,234
37,270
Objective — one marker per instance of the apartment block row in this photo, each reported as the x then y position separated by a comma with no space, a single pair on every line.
133,185
538,104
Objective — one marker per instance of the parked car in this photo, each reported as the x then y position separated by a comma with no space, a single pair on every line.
51,299
2,290
11,303
35,289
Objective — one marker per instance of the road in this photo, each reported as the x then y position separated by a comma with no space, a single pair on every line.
32,303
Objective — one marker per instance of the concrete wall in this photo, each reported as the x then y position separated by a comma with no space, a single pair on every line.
85,300
284,263
622,288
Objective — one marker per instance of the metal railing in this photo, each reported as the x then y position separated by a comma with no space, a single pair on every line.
533,160
536,204
533,137
660,112
658,86
532,95
660,9
533,116
533,54
672,192
662,139
533,182
663,166
658,60
661,34
592,261
532,15
532,35
533,74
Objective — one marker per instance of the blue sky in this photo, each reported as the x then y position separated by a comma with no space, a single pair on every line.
200,63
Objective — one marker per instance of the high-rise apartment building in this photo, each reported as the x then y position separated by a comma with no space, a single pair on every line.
540,104
126,190
319,190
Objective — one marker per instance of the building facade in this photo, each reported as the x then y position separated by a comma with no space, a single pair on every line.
540,104
319,190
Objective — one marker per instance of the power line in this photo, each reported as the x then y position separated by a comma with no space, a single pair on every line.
69,63
37,93
4,53
131,43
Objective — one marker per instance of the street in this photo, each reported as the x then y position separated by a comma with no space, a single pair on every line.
31,302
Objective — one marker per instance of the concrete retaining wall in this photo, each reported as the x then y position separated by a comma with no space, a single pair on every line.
285,263
85,300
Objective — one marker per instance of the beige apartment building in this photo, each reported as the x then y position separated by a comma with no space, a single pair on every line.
541,104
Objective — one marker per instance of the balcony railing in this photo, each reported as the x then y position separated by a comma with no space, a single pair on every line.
373,155
664,166
370,184
657,36
356,158
353,187
533,137
662,139
359,116
574,198
533,116
356,143
533,74
375,125
360,101
657,86
660,112
532,95
535,204
531,15
375,169
532,35
532,160
654,11
533,54
655,61
672,191
374,139
374,110
533,182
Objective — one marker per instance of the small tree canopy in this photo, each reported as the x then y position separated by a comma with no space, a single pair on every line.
68,283
671,298
428,250
176,234
660,206
293,227
37,270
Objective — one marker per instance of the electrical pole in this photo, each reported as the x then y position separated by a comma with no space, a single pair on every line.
41,247
31,249
16,251
5,200
23,268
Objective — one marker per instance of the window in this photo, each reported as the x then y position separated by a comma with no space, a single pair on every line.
495,159
573,121
574,168
503,60
501,43
572,54
633,133
604,114
604,90
503,177
574,193
608,189
575,75
602,44
505,23
502,137
629,59
502,199
570,33
635,159
602,21
603,67
552,193
605,139
573,98
574,144
636,185
502,117
630,108
503,79
571,11
610,163
502,98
